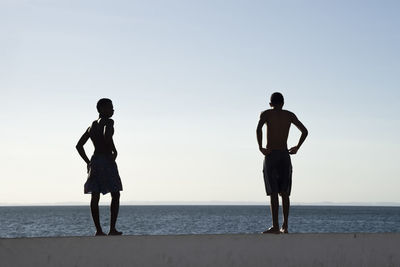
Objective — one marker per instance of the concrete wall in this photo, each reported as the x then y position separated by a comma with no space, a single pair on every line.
205,250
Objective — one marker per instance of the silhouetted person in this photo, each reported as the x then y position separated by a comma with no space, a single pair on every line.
277,165
102,170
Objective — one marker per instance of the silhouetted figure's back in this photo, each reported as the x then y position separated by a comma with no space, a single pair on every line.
278,125
96,133
277,167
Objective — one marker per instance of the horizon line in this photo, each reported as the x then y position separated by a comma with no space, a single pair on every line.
207,203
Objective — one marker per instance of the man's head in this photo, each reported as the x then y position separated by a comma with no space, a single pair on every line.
277,100
105,108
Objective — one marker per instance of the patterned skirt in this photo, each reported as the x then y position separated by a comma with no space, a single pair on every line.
103,176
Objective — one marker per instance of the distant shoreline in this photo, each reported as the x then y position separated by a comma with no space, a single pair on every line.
155,203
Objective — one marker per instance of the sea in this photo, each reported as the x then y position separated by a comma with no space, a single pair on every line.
52,221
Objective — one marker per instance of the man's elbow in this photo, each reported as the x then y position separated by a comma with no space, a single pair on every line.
78,146
305,132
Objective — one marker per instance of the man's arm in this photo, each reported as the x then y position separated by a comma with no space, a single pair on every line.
108,136
304,133
82,141
114,150
260,124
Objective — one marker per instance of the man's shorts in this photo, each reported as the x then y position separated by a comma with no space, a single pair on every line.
278,172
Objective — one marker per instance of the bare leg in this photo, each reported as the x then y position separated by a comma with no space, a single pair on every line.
94,207
285,208
274,212
114,213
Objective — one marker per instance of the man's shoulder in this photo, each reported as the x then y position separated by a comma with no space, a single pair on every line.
93,125
271,111
264,115
291,114
265,112
107,121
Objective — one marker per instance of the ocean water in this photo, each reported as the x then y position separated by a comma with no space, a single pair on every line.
44,221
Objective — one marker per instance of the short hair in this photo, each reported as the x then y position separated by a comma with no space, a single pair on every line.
102,103
277,99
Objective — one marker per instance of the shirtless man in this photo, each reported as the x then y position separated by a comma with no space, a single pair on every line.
103,176
277,165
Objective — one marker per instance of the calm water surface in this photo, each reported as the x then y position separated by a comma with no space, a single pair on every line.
162,220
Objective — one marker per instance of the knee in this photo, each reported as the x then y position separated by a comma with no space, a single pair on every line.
95,197
284,195
115,195
274,197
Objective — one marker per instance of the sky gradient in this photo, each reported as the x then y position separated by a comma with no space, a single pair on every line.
188,80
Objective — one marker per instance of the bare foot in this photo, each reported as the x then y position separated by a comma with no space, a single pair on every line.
114,232
99,233
284,231
272,230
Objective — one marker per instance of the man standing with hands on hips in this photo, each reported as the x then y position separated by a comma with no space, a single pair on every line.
277,165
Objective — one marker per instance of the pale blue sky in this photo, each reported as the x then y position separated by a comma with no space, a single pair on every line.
188,80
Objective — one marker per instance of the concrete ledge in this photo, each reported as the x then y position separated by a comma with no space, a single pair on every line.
205,250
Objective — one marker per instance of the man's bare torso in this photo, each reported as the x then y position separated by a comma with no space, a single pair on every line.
278,124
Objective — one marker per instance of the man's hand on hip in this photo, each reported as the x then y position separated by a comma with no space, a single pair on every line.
265,151
293,150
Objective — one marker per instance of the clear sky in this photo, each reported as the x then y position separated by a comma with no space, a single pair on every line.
188,80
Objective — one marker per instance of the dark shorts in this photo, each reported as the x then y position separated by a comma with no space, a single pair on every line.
103,176
278,172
